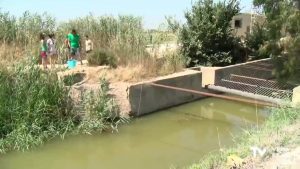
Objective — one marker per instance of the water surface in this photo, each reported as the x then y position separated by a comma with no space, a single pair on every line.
175,137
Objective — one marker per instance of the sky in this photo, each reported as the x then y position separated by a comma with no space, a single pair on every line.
152,11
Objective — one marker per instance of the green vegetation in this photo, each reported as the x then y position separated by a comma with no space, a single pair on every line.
36,107
255,42
102,57
23,30
283,37
207,37
270,136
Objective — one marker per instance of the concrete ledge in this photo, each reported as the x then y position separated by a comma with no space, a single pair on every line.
296,96
145,98
208,75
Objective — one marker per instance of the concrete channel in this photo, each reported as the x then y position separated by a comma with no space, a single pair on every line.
145,98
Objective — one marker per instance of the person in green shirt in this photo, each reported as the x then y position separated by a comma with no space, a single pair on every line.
74,44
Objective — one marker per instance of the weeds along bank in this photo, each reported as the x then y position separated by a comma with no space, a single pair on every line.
273,135
36,107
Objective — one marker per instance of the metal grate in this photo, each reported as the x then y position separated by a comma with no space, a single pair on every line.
254,77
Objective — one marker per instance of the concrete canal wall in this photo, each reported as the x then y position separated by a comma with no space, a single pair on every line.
145,98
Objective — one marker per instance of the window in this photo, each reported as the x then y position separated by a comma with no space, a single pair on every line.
237,23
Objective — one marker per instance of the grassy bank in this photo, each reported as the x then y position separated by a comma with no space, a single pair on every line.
36,107
272,135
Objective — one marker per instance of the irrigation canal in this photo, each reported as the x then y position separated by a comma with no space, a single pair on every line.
174,137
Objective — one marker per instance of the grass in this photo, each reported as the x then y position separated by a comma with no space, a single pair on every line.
36,107
270,136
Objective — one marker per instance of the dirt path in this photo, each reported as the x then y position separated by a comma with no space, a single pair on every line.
285,157
288,160
291,158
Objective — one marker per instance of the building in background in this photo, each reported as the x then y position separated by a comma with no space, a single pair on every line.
243,23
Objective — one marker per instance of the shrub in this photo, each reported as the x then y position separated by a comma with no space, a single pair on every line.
101,57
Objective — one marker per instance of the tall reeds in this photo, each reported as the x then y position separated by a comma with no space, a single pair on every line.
36,107
123,36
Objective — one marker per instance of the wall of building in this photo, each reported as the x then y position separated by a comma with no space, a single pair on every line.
245,20
247,23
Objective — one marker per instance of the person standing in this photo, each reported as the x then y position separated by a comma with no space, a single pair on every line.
88,44
51,44
43,50
67,48
75,45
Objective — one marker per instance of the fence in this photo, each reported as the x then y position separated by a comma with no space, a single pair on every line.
253,77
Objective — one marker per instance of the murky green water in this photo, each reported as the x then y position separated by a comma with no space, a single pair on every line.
174,137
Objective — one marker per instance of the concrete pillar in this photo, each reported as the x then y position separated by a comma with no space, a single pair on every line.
208,75
296,96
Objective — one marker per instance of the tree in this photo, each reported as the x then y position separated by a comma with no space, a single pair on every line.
255,42
283,33
207,37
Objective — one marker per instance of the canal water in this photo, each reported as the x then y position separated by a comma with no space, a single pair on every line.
176,137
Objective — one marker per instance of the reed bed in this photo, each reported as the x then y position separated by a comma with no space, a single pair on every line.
36,107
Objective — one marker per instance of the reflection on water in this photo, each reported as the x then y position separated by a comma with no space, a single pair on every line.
175,137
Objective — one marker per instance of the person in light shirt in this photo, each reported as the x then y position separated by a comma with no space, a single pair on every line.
51,44
88,44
